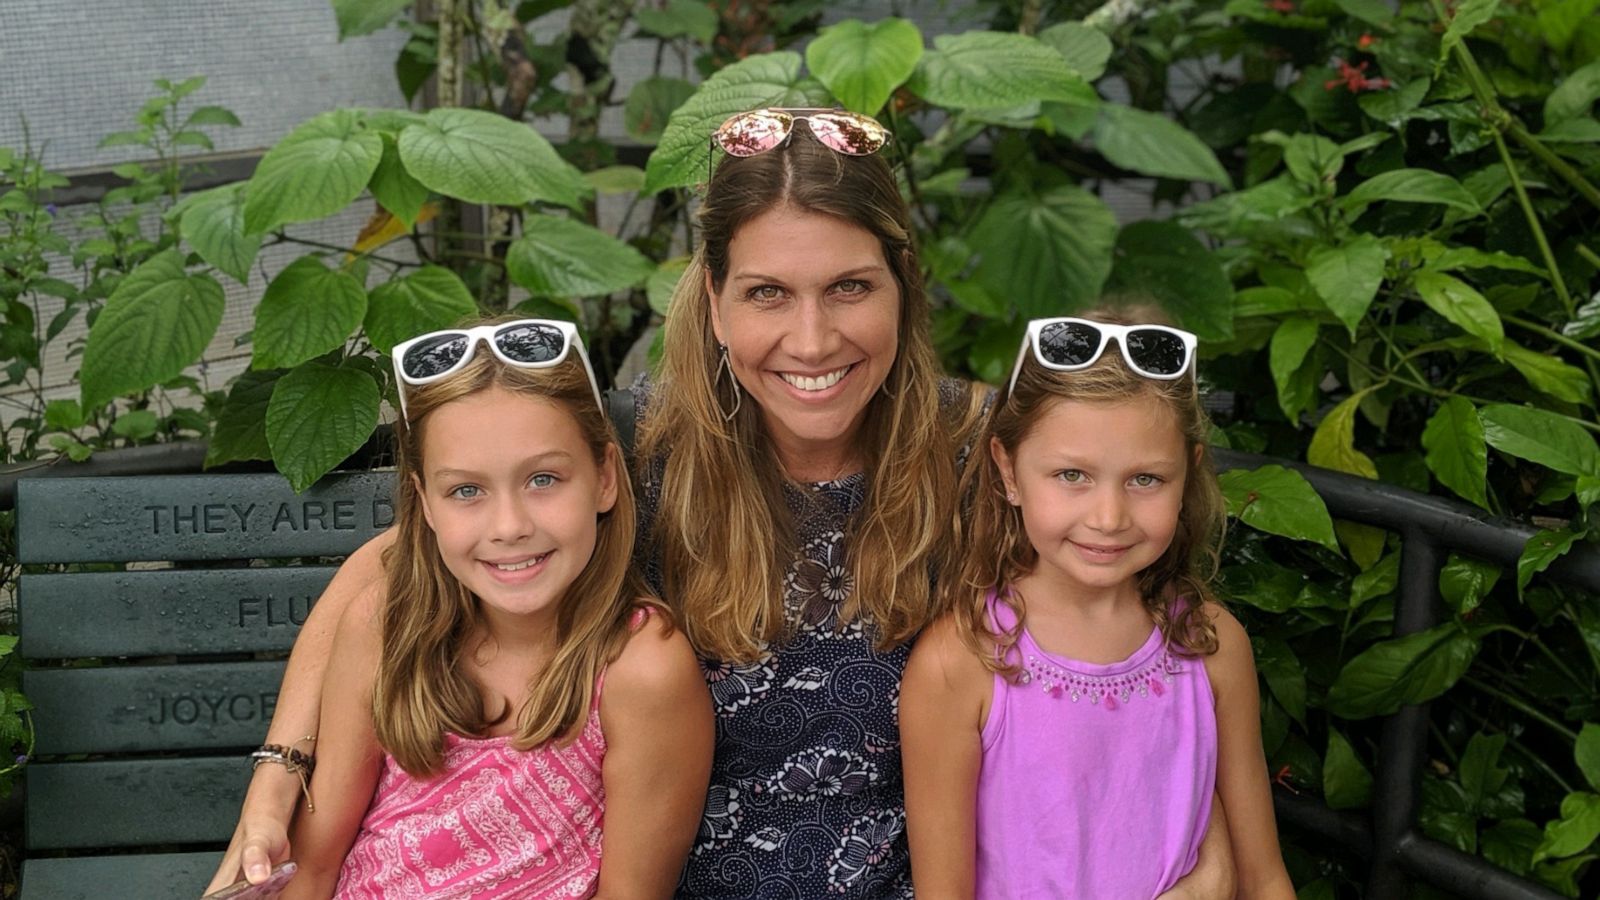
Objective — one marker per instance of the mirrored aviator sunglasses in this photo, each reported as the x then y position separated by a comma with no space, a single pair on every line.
525,343
760,130
1069,344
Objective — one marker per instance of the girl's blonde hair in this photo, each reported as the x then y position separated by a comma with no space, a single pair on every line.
429,617
997,548
724,531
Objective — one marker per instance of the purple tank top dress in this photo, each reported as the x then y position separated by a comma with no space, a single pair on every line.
1096,780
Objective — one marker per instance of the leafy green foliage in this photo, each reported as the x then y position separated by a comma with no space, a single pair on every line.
862,64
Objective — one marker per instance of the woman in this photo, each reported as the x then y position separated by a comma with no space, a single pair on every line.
798,483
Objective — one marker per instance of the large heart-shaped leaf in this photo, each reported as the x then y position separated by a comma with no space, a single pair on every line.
1164,261
1278,501
317,170
1048,252
241,431
565,258
766,79
993,70
319,415
158,321
481,157
862,64
1084,47
428,299
213,224
394,188
306,311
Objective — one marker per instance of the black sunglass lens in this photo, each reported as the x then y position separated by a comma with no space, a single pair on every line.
434,355
530,343
1157,352
1068,343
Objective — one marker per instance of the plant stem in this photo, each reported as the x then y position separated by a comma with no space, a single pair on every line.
1553,335
1554,163
1533,225
1589,255
1521,707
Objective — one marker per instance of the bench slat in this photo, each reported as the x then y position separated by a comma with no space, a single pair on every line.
158,876
139,708
189,517
169,611
129,803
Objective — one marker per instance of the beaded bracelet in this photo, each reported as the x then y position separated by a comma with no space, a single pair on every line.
301,764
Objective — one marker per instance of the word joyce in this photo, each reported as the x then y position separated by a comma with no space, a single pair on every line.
256,518
214,709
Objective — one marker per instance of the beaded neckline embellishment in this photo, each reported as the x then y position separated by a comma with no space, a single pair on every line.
1150,678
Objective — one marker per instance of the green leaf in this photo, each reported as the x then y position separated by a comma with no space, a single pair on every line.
1469,15
306,311
1510,845
1412,186
241,430
1164,261
1461,303
394,188
428,299
1346,783
1577,828
1084,47
616,180
481,157
1377,581
1278,501
1411,669
1464,582
1587,753
135,424
1541,550
1333,443
766,79
862,64
566,258
1541,437
1373,12
1473,258
317,170
681,18
158,321
75,450
213,224
1457,454
1549,374
993,70
63,415
650,105
1049,253
1572,131
1347,277
1153,144
1284,674
358,17
212,115
1585,321
1291,345
664,281
1573,97
318,416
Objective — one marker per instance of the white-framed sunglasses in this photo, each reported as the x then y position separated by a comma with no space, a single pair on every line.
525,343
1068,344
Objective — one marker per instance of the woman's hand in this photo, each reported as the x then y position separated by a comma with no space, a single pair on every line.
259,843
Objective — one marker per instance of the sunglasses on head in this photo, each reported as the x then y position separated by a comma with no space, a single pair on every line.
1067,345
760,130
525,343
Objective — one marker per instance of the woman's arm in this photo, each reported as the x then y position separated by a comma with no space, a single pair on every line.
944,697
349,759
261,838
1242,780
656,713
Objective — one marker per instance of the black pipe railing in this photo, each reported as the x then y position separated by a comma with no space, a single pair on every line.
1388,840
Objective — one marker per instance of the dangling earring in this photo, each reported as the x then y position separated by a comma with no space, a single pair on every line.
724,366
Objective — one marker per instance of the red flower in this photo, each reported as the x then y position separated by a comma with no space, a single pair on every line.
1366,41
1355,78
1282,6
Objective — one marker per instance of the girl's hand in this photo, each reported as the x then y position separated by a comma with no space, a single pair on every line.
259,843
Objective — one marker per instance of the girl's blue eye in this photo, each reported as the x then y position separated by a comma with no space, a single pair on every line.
464,492
1070,476
543,480
1144,479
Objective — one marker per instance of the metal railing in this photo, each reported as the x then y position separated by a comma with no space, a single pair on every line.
1388,838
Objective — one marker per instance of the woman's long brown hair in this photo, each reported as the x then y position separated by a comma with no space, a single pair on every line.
725,534
429,618
997,551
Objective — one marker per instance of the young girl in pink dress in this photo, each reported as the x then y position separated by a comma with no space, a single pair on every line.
511,693
1068,723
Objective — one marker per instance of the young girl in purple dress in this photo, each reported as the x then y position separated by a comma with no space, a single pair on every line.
1068,722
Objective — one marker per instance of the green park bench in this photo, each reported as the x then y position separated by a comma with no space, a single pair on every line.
151,683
